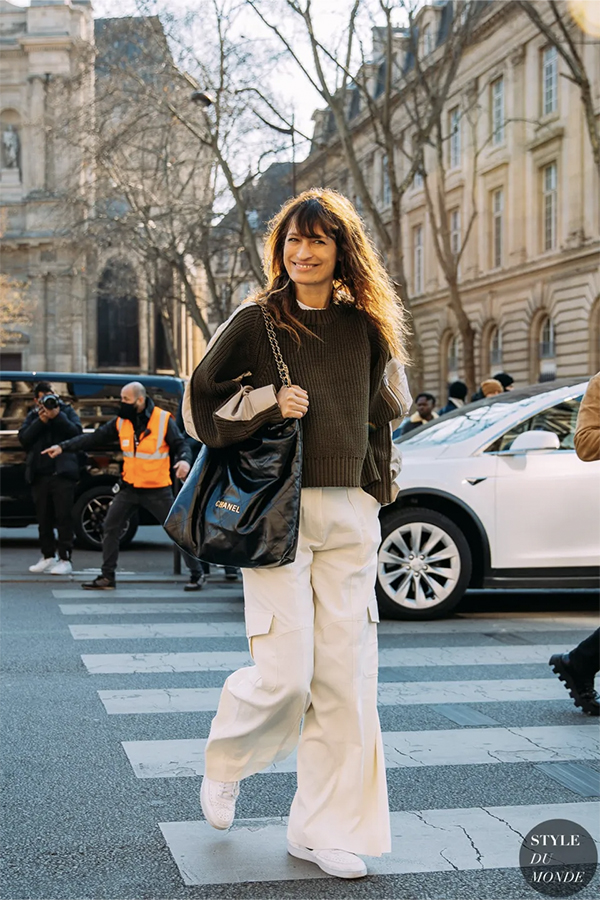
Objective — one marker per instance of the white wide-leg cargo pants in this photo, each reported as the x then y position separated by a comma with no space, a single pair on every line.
313,638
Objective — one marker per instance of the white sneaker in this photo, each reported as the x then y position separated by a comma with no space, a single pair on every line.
62,567
43,564
339,863
217,799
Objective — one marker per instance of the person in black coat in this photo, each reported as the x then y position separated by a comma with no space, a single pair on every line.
52,480
457,397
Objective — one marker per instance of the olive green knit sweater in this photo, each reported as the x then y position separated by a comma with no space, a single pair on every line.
346,431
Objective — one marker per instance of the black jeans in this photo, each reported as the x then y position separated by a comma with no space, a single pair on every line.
157,501
53,497
585,658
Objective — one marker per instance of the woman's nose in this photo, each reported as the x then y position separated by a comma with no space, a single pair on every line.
304,251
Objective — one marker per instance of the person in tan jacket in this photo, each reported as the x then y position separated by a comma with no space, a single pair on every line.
578,668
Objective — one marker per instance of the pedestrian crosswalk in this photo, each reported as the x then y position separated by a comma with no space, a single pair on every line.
204,638
123,663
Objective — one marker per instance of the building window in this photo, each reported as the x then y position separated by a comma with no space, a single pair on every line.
417,153
427,40
547,350
455,232
497,89
10,362
118,317
386,191
550,206
495,348
550,80
547,344
497,228
418,259
454,130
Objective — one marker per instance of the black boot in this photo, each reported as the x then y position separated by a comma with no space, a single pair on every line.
101,583
196,582
580,688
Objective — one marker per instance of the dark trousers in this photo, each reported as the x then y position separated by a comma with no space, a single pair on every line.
53,497
157,501
585,658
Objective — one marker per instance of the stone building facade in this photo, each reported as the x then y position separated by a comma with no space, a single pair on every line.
530,271
87,308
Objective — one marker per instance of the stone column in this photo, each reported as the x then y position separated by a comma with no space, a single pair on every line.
35,145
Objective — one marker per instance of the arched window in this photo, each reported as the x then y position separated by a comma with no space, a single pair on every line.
546,350
117,317
452,359
495,348
449,361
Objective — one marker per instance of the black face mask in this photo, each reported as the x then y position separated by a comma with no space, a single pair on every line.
128,410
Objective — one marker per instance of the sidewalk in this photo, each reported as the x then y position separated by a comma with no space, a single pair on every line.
149,559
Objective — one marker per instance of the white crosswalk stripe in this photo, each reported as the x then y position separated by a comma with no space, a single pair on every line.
122,663
140,631
432,840
135,609
477,746
135,593
407,693
424,840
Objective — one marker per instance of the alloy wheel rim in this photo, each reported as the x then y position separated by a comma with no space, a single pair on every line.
418,565
92,519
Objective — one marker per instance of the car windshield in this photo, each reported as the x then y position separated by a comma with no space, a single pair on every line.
468,422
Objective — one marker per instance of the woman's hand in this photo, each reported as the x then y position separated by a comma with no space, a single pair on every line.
293,402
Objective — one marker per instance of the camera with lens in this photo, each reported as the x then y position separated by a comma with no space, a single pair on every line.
49,401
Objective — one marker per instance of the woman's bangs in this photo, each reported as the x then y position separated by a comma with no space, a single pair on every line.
311,218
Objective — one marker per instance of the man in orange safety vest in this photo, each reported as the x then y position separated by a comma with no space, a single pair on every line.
149,438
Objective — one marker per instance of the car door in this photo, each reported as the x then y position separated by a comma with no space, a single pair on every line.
547,502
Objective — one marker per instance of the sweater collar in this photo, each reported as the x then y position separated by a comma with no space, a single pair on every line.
318,316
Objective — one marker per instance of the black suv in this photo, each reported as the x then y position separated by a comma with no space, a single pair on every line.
95,398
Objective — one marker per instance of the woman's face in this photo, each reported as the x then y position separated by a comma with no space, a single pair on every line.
309,260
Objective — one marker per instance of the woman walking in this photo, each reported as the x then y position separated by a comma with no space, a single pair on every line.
312,624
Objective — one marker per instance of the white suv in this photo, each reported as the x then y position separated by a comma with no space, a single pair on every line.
492,495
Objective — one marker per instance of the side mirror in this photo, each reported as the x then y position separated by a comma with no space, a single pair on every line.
534,440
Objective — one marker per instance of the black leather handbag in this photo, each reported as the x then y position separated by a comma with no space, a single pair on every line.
240,505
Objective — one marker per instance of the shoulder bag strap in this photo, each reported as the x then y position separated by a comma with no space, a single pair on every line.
283,370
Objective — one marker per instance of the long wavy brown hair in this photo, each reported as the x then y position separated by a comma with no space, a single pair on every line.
360,278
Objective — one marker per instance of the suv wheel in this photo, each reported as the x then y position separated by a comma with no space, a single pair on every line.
423,566
88,519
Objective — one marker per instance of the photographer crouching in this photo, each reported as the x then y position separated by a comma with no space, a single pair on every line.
52,480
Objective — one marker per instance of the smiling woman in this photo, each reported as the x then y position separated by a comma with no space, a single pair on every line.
311,623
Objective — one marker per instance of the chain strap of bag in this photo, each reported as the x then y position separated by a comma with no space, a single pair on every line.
284,372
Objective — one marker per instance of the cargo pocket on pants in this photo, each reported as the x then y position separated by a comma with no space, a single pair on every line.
262,646
371,657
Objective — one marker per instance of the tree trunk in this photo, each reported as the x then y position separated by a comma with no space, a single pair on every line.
467,334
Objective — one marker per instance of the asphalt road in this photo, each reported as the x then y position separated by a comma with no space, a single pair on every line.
100,792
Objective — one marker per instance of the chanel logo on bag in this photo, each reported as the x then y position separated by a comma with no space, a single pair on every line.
223,504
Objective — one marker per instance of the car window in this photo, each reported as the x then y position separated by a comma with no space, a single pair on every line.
16,401
467,423
560,420
98,402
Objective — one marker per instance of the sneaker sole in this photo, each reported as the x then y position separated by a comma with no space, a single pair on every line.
564,676
309,856
207,817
